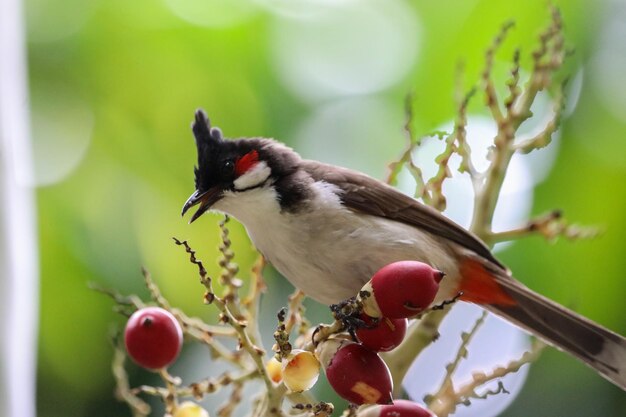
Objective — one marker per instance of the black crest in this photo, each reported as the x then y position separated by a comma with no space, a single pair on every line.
209,140
204,133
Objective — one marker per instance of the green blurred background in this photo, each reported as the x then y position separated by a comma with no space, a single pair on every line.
113,88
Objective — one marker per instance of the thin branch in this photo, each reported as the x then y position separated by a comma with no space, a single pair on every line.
138,407
513,84
551,226
463,149
255,353
466,337
446,404
419,336
491,97
295,316
544,137
234,399
171,397
548,57
412,142
155,292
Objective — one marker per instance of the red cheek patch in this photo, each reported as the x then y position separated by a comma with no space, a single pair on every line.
246,162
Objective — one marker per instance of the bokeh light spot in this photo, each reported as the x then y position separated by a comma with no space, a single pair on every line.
213,13
346,49
50,20
62,130
337,133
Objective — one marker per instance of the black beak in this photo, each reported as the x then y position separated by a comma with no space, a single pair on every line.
205,198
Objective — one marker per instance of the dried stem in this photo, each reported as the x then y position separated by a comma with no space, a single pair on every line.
171,397
225,305
448,400
138,407
551,226
491,98
227,409
418,337
466,338
548,58
295,314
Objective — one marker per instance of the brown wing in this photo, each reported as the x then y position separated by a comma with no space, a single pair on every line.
368,195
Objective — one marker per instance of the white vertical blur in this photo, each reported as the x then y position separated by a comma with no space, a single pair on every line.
19,292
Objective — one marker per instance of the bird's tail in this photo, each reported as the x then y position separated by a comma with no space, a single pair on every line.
598,347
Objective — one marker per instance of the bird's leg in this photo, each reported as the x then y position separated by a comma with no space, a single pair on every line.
348,312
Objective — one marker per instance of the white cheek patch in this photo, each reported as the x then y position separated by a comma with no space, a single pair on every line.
253,177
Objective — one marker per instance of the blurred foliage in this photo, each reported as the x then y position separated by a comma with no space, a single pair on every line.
139,70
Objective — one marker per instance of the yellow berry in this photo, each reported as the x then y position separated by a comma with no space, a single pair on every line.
190,409
300,370
274,370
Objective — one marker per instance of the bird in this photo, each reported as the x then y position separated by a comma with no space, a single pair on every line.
328,229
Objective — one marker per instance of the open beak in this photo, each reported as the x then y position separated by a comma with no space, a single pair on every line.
205,198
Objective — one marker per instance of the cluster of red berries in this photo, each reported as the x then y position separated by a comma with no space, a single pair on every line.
355,370
400,290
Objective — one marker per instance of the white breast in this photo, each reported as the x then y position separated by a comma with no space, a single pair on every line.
329,252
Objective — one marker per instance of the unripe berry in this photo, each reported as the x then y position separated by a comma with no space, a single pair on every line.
400,290
356,373
274,370
399,408
383,334
190,409
153,337
300,370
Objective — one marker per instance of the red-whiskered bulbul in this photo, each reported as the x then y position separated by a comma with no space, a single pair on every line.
329,229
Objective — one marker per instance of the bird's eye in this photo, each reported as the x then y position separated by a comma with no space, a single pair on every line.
228,167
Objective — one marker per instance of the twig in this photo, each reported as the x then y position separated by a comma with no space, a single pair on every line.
295,314
282,347
544,137
171,397
123,392
551,226
255,353
412,142
466,337
491,98
447,403
463,149
131,301
548,57
418,337
226,410
513,84
320,409
211,385
155,292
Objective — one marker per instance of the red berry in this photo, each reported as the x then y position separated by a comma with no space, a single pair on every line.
153,337
385,334
399,408
356,373
401,289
